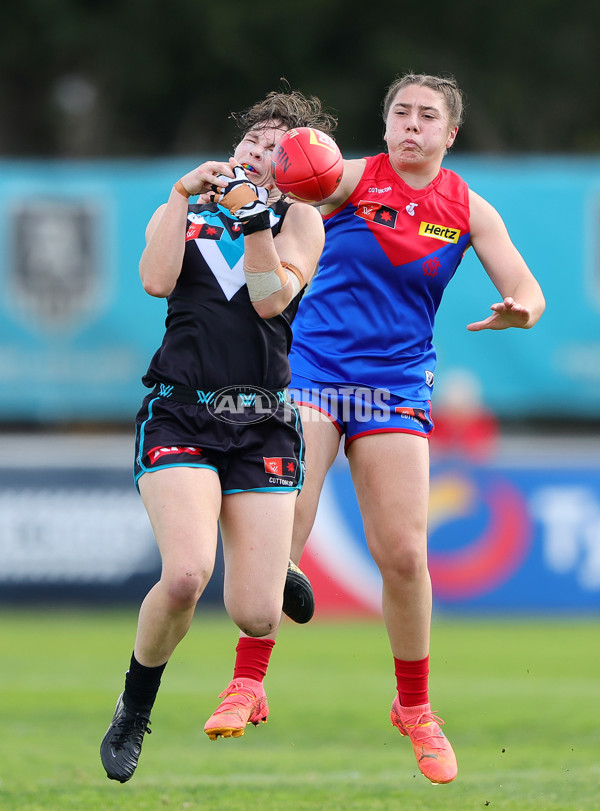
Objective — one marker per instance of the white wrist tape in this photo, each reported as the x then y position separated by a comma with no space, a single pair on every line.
262,285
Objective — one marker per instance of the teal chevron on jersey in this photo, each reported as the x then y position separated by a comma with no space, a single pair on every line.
214,337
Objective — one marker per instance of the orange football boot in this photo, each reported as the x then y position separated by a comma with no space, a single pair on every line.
435,756
244,700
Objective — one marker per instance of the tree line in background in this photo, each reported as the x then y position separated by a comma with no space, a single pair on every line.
111,78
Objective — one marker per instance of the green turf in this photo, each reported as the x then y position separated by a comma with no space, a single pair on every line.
520,701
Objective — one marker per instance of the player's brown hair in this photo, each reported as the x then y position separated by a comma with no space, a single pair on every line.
291,109
446,85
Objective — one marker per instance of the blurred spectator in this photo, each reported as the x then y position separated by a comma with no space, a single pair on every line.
464,426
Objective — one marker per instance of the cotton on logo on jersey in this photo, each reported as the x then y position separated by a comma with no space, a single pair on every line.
157,453
416,414
442,232
376,212
280,465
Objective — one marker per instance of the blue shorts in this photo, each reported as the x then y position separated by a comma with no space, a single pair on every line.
253,450
360,411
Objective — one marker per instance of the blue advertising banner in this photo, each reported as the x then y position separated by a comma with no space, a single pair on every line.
77,331
503,537
551,207
519,532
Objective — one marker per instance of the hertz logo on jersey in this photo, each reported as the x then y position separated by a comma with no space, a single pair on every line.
429,229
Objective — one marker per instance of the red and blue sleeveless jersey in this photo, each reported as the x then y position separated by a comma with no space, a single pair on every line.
390,251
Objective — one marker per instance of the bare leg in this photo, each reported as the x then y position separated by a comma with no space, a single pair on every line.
322,441
256,530
183,505
391,478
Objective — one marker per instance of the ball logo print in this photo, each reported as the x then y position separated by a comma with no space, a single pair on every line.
307,165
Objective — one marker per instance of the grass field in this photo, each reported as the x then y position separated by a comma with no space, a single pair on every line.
520,700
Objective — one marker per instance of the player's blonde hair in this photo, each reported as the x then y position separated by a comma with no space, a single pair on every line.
445,85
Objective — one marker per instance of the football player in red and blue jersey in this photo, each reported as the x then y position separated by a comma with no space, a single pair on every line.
363,360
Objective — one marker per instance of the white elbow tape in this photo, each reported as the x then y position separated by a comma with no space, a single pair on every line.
262,285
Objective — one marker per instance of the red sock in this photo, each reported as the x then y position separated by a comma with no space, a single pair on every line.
412,681
252,658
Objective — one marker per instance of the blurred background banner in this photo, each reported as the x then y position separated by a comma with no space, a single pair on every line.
518,532
551,207
74,534
77,331
515,528
73,528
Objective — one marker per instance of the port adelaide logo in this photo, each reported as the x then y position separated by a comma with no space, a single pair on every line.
55,267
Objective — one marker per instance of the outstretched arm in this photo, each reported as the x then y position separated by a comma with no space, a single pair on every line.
522,298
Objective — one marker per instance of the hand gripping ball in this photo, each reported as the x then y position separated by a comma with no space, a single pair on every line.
307,165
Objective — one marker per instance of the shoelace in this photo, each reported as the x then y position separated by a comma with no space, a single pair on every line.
236,691
422,732
127,726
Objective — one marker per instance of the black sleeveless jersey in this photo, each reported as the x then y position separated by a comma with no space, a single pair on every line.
214,337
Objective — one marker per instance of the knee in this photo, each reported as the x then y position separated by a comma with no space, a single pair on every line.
258,628
405,560
256,623
410,566
185,587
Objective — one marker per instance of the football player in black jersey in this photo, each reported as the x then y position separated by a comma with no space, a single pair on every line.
218,440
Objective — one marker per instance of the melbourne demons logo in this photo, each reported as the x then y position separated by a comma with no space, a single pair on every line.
431,266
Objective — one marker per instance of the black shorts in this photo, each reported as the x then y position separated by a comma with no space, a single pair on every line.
253,448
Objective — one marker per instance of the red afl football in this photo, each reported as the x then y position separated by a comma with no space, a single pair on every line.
307,165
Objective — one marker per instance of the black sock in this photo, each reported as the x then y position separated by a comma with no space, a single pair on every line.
141,686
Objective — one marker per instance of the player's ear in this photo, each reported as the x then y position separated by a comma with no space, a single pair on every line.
451,137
